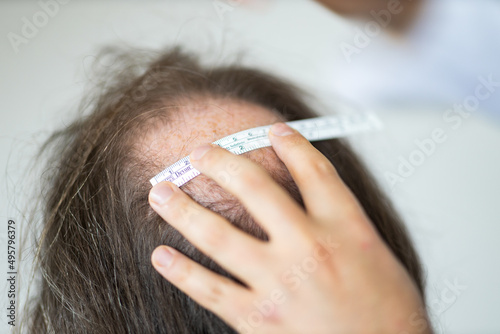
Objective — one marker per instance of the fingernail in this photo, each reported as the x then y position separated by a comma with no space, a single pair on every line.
281,129
162,256
200,151
161,193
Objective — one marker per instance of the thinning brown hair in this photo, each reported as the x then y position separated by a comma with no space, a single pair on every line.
98,229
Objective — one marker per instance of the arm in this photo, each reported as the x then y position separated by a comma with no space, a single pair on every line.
402,13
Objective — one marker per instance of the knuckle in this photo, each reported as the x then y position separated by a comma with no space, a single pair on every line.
177,208
213,156
367,242
253,178
352,210
180,270
365,236
183,211
214,295
320,168
211,236
227,171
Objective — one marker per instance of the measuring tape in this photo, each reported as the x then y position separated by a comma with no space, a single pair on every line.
313,129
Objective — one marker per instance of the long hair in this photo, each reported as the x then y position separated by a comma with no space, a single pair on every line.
98,229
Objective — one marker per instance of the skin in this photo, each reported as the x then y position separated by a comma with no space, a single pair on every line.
399,23
205,120
324,269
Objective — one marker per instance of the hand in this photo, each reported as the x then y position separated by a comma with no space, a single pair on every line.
324,270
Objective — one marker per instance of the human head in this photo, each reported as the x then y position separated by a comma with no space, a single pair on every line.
99,230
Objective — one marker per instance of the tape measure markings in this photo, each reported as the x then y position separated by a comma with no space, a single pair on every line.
313,129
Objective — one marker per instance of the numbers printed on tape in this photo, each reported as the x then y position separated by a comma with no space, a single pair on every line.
313,129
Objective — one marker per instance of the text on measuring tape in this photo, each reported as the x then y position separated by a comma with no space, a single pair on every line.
313,129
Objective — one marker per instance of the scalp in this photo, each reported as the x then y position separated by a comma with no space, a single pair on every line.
205,120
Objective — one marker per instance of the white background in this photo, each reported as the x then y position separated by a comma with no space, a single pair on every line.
451,202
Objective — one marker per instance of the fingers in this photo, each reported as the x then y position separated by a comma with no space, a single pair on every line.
324,193
209,232
216,293
269,204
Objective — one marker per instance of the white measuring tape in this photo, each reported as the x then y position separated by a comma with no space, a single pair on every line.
313,129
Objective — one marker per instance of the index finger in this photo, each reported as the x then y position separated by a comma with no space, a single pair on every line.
324,193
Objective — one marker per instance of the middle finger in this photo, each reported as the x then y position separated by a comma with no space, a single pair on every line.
269,204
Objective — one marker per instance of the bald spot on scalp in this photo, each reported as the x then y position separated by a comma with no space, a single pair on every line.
204,121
